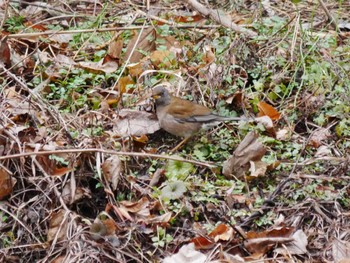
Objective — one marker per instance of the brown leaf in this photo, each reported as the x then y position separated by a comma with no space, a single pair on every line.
318,136
261,242
112,169
135,123
140,208
5,54
297,246
186,254
115,48
123,82
221,232
203,242
5,184
266,109
56,227
257,168
146,44
109,67
250,149
163,58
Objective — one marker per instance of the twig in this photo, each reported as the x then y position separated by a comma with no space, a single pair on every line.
57,32
6,4
329,15
218,16
135,154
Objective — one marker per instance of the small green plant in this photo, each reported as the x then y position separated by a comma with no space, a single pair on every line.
14,24
162,238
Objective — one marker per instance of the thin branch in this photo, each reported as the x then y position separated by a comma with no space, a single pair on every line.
89,150
220,17
61,32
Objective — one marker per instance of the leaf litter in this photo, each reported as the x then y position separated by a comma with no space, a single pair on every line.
80,90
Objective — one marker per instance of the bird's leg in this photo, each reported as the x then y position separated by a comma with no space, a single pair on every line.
180,144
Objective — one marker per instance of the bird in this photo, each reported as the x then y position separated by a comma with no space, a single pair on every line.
182,117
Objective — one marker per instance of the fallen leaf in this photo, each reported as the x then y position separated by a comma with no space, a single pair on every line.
109,67
297,246
5,54
115,48
146,44
135,123
257,168
250,149
221,232
268,110
261,242
341,250
318,136
112,169
163,58
5,184
56,227
187,254
139,208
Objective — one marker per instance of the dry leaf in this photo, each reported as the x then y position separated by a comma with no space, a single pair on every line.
341,250
268,110
297,246
115,48
163,58
187,254
112,169
135,123
250,149
123,82
109,67
261,242
5,54
140,208
221,232
146,44
56,227
318,136
257,168
5,184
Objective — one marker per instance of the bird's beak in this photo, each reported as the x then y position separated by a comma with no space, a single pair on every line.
155,96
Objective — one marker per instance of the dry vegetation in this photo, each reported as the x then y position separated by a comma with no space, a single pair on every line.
86,175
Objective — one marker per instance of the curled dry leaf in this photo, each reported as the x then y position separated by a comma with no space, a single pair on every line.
135,123
140,208
250,149
112,169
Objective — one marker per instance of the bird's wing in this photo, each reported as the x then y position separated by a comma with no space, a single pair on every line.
183,109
